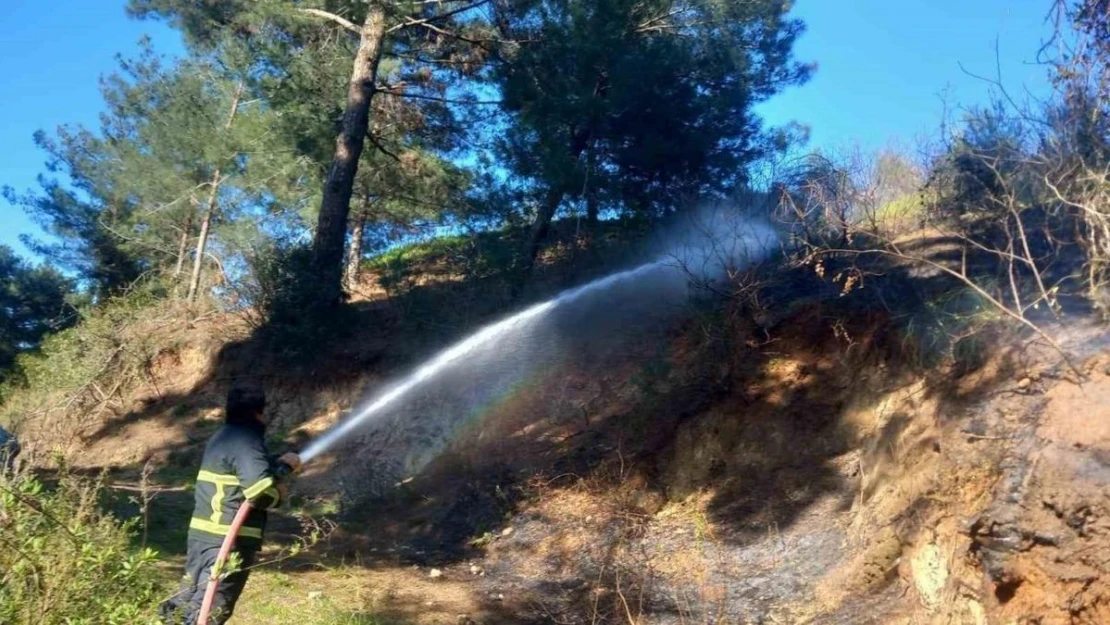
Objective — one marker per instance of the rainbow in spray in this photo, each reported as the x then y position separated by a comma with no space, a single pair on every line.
481,338
411,421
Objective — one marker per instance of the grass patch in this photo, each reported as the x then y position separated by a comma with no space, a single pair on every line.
493,253
314,507
900,215
332,597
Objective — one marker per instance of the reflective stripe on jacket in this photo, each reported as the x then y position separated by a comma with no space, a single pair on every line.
235,468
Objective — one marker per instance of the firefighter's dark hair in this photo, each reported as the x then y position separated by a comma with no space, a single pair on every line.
243,404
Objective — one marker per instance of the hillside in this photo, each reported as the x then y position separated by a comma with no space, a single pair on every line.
795,452
568,314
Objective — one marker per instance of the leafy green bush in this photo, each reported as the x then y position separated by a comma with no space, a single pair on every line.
396,272
288,302
77,372
65,561
34,301
284,285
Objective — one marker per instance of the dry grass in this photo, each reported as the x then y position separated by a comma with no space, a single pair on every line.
352,595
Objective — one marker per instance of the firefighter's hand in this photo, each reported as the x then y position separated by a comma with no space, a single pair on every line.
293,460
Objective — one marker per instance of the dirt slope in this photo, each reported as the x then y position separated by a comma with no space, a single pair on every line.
792,467
987,509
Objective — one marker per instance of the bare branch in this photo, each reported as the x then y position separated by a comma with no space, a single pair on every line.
381,148
894,252
419,96
334,18
435,18
651,23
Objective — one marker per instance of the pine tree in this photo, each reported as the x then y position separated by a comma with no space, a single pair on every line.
428,43
638,105
32,304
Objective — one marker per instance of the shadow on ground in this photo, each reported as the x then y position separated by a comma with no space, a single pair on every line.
754,385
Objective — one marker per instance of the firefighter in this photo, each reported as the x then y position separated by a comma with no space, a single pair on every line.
235,467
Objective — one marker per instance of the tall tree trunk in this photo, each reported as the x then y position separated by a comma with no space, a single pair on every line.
354,255
592,207
550,205
540,228
202,240
210,209
183,247
331,227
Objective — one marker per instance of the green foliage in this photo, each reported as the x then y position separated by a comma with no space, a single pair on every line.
901,214
86,245
75,371
300,67
969,181
282,290
33,303
658,96
949,329
1023,192
286,303
63,561
639,106
131,193
396,272
474,257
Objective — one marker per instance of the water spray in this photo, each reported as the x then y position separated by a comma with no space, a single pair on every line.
714,242
705,256
453,354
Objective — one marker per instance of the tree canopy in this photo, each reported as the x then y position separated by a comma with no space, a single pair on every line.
32,303
640,107
347,127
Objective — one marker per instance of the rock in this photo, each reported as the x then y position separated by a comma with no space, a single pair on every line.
507,531
464,619
1024,383
475,569
314,595
435,574
930,574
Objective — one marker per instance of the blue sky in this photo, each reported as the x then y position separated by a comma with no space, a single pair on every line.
885,70
51,58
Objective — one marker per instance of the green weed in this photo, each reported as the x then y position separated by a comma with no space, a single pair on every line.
64,561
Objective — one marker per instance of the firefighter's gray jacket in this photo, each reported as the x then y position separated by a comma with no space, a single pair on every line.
235,468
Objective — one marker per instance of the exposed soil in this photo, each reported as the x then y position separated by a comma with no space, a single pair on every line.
798,472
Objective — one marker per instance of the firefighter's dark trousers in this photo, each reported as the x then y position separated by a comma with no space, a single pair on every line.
184,607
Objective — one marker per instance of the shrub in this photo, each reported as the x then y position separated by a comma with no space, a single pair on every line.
900,215
78,373
65,561
283,284
288,302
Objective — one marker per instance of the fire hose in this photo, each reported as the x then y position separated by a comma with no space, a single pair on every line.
215,572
